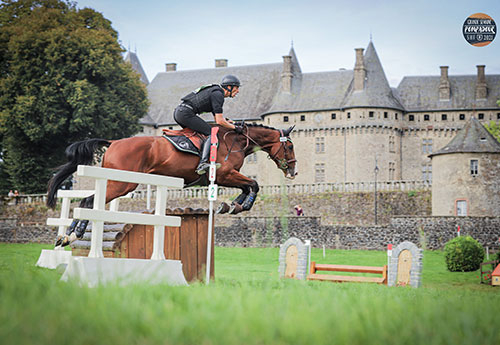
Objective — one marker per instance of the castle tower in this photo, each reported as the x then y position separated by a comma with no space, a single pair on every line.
136,65
465,174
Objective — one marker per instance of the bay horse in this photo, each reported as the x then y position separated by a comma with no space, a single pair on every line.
156,155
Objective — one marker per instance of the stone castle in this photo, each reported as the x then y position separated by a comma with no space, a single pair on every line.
350,125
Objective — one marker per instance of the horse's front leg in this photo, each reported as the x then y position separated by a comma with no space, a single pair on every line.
246,199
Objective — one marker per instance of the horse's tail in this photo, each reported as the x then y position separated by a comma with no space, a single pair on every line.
81,152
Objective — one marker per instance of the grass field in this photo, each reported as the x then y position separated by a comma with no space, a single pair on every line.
247,304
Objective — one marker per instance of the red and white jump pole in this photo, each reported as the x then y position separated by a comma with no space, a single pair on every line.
212,196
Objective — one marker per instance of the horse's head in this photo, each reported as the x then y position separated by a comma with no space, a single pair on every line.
282,153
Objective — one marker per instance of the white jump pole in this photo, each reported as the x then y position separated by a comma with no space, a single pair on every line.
212,196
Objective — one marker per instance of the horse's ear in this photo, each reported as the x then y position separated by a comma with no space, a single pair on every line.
287,132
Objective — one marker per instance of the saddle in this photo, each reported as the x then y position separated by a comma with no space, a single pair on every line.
185,140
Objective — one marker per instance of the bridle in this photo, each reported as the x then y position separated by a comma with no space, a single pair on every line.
283,163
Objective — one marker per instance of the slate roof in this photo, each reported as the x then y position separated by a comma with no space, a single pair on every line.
259,84
421,93
136,65
377,92
261,92
473,138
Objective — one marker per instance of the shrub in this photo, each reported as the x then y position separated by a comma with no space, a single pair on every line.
463,254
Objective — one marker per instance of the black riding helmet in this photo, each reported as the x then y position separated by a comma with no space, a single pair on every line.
229,81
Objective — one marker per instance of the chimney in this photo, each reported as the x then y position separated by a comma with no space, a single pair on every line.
444,85
171,67
481,90
287,75
359,71
220,63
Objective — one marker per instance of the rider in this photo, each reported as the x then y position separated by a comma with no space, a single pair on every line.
207,98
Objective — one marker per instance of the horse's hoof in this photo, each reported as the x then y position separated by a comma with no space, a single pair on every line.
223,208
235,208
59,241
67,240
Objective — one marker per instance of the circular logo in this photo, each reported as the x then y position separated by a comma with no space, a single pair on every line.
479,29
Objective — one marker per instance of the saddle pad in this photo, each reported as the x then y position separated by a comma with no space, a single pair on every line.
195,137
183,144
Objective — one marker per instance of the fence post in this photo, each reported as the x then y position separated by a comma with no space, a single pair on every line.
98,226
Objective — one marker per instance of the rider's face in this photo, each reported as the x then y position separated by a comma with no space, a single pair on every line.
234,91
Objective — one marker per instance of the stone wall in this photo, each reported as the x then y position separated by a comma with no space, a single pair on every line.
427,232
12,231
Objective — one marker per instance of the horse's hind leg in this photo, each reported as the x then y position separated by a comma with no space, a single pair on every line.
77,228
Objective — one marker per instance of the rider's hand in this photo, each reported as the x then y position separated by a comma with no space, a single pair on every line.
238,129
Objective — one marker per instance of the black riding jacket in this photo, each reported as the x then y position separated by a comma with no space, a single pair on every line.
206,99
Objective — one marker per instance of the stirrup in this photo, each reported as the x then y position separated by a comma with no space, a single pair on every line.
203,167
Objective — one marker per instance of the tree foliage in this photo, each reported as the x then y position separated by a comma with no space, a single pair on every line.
494,129
62,79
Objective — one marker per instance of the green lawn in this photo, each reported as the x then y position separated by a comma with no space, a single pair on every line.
247,304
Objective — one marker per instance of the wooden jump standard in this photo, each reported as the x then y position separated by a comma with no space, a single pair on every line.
346,268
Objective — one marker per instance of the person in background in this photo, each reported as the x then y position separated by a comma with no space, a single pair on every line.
298,210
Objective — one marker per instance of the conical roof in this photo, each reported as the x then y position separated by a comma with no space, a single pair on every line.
377,92
136,65
473,138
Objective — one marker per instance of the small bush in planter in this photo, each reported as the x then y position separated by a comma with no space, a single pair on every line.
463,254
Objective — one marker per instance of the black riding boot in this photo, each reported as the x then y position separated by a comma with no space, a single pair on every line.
205,153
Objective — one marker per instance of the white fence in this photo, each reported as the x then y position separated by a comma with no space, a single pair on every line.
201,192
98,215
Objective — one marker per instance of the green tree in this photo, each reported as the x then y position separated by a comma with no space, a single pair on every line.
494,129
62,79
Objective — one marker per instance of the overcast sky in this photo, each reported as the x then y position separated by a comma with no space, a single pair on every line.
411,37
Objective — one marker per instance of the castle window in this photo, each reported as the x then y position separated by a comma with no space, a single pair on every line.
444,117
462,117
285,118
427,117
348,115
480,116
391,144
498,116
320,145
334,116
386,114
427,172
371,113
411,118
319,172
302,117
396,116
461,208
392,170
426,145
252,158
474,167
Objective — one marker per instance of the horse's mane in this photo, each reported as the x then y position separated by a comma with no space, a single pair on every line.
257,125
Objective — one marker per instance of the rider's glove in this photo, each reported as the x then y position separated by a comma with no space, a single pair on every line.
238,129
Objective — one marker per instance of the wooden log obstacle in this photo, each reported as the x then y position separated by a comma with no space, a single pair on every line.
96,269
347,268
